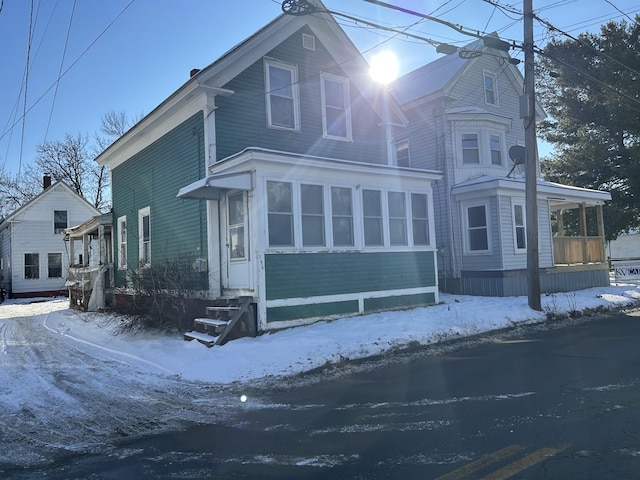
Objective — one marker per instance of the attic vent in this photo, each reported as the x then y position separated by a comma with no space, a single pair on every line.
308,42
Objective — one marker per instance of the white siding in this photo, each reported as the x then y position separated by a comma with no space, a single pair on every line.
32,232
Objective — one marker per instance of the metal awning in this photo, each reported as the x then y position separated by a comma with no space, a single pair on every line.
210,188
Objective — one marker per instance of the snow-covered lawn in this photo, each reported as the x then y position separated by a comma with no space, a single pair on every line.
68,382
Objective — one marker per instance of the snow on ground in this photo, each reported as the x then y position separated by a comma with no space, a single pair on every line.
302,349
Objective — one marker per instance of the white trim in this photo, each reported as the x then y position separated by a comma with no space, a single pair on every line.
465,223
494,81
519,202
295,96
122,265
143,212
346,98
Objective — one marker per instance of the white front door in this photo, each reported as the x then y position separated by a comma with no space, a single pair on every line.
237,242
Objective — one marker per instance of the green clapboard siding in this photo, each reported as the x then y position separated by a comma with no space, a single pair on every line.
152,178
319,274
241,119
278,314
400,301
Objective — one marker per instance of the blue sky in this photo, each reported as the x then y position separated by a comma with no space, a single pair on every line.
129,55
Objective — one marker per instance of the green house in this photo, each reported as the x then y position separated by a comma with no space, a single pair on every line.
273,173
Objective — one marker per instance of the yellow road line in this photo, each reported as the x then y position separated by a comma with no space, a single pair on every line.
524,463
482,462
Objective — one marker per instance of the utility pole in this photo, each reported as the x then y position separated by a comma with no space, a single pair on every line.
531,162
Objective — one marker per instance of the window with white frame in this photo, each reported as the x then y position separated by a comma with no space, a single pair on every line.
280,214
122,242
402,154
54,265
282,100
144,236
372,218
336,107
420,218
31,266
470,148
495,147
342,216
477,223
519,227
236,211
312,210
60,221
490,89
397,218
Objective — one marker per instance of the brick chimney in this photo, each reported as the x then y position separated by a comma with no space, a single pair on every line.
46,182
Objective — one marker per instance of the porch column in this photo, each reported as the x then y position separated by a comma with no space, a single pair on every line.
101,245
600,218
71,251
583,232
560,218
85,249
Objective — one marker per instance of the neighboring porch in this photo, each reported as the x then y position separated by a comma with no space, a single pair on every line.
90,276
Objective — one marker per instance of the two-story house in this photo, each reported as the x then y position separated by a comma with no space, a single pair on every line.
271,171
464,120
34,259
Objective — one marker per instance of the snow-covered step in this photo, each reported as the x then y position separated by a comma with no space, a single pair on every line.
211,322
203,338
222,308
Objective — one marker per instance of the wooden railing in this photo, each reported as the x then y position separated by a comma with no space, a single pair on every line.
578,250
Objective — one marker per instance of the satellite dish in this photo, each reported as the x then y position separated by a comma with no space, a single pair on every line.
517,154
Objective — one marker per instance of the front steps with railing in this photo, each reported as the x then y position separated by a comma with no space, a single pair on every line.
230,317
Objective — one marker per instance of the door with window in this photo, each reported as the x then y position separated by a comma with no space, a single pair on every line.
238,274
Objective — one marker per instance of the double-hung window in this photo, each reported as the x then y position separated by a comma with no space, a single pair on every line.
519,227
495,146
54,265
336,111
490,89
477,228
122,242
31,266
470,148
282,101
60,221
280,214
397,218
312,207
144,236
402,154
372,218
420,218
342,216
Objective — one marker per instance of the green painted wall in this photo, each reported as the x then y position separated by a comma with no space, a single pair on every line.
241,119
152,178
315,274
280,314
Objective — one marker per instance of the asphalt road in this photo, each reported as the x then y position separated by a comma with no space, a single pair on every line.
542,403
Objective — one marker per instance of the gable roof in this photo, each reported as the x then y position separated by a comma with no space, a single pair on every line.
438,78
213,77
9,218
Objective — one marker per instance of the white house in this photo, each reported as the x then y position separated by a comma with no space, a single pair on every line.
33,256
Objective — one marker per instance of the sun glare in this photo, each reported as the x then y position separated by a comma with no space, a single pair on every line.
384,66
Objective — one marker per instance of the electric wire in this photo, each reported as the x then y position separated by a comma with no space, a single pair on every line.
26,86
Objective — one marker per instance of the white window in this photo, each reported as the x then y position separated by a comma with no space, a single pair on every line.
281,92
336,107
420,218
402,154
342,216
122,242
397,218
280,214
490,89
60,221
236,211
477,225
495,146
144,236
31,266
372,218
54,265
470,148
519,228
312,208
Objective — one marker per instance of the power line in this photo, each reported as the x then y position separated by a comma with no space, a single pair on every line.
26,85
